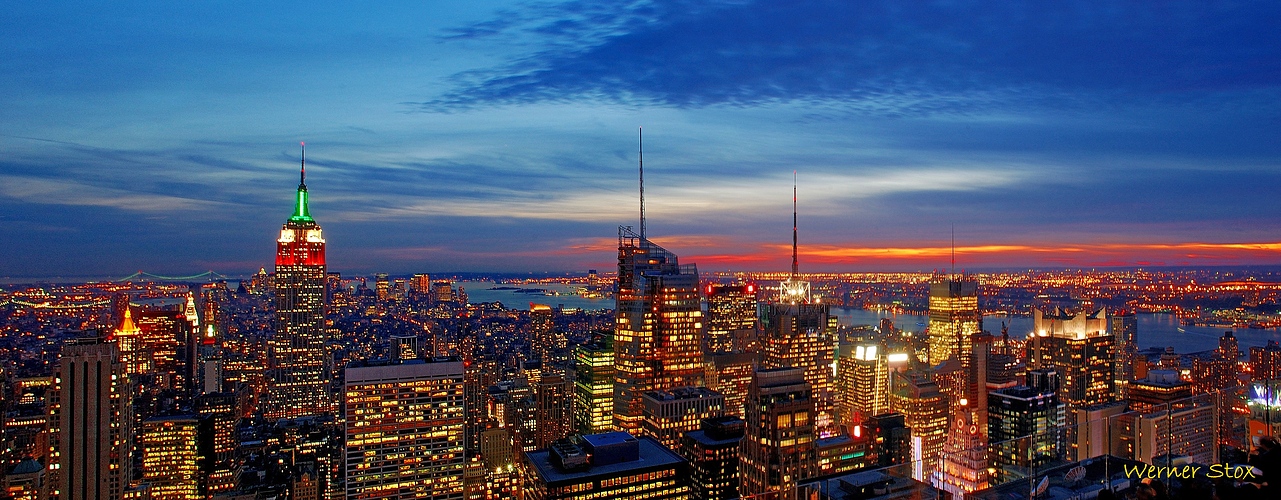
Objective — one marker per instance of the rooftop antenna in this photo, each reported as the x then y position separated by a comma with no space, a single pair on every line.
953,272
640,135
302,179
794,263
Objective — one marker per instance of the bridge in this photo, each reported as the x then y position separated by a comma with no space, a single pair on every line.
142,275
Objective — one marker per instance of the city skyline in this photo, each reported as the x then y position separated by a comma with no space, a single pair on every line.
456,138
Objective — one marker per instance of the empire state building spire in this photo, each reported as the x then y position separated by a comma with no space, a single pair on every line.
301,214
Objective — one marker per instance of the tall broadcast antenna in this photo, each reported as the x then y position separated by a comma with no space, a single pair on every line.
953,249
302,179
795,267
640,135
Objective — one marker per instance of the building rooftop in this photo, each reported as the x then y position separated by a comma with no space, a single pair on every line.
380,370
1098,472
867,485
693,392
650,456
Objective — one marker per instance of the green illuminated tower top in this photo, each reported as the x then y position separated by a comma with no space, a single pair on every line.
300,203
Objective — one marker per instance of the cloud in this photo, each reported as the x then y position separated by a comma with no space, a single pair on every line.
878,57
65,192
825,192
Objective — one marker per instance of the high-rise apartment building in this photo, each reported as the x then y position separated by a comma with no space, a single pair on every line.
669,414
404,430
542,334
300,368
1166,417
171,457
779,448
658,326
1265,362
594,385
90,423
1217,377
1229,348
731,316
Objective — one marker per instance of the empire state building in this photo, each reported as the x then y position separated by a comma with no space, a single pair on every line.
300,368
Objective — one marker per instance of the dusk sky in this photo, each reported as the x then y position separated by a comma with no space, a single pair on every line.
502,136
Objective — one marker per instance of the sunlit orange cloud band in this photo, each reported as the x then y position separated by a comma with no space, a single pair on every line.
1102,254
728,253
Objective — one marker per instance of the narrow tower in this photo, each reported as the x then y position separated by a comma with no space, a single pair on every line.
300,368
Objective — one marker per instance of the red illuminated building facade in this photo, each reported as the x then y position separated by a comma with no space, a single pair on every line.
300,368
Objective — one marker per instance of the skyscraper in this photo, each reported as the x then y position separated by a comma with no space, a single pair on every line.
658,326
780,446
1167,418
554,402
1024,429
404,430
420,284
669,414
89,423
1265,362
170,457
712,452
382,286
925,412
1081,348
801,335
129,342
731,316
300,368
800,332
542,335
219,409
1217,377
1125,328
954,318
594,386
864,382
731,375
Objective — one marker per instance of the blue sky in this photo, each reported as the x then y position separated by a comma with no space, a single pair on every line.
501,136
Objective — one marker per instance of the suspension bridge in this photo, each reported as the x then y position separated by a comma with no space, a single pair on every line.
142,275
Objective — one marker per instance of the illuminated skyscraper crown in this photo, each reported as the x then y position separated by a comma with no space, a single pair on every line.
301,214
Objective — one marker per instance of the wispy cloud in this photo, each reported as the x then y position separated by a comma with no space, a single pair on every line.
64,192
881,57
